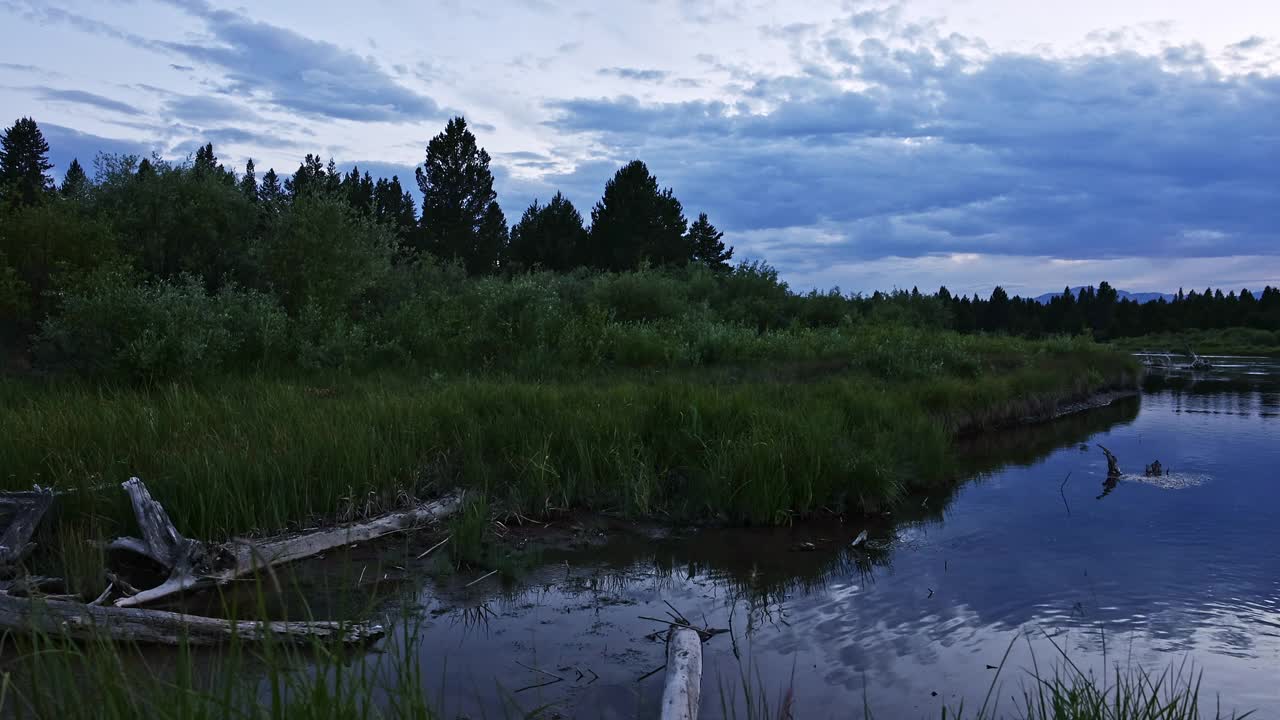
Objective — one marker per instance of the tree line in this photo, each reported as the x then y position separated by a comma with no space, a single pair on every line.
336,251
204,218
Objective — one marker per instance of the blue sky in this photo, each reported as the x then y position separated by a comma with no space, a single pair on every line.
865,145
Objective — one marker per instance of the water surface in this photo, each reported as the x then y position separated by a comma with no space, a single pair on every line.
1036,551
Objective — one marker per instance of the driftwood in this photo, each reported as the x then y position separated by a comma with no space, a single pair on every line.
25,509
1113,473
25,606
1113,465
194,564
682,691
85,622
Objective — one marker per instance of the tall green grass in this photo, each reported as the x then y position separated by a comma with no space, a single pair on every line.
259,453
1228,341
262,454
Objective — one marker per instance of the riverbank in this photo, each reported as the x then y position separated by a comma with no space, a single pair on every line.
1230,341
760,445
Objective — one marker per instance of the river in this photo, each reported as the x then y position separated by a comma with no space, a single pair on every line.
1035,555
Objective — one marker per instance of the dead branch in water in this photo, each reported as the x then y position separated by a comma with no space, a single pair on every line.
1113,474
1113,464
682,691
192,564
79,621
26,606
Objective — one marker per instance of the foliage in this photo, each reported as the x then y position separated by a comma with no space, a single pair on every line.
75,183
707,244
457,192
319,253
42,242
636,222
24,164
549,237
111,325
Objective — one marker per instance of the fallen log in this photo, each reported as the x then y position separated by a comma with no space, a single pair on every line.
193,564
682,691
78,621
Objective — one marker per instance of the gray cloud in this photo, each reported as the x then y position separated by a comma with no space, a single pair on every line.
206,109
181,68
231,136
81,97
66,144
298,73
18,67
626,73
290,70
1096,156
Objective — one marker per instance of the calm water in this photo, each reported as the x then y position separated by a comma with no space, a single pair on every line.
1034,549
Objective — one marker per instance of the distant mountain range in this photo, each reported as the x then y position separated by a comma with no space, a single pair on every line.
1144,297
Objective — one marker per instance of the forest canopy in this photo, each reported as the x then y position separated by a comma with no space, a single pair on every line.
152,267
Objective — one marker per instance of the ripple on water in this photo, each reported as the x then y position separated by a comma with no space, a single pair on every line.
1170,481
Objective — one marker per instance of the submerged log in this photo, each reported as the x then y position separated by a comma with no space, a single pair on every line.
1113,465
682,692
86,622
193,564
26,510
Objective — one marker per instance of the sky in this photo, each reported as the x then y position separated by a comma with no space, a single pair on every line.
860,145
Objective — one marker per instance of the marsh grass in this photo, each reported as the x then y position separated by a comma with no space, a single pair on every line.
49,677
1228,341
259,454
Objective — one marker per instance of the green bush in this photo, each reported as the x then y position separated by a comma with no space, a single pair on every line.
320,253
110,324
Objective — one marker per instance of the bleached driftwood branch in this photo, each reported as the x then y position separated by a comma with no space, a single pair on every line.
682,692
192,564
84,622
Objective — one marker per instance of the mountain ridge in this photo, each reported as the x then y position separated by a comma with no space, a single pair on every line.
1139,297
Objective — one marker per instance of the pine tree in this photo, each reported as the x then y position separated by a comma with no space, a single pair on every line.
24,163
146,169
249,183
359,191
393,206
457,195
75,183
309,177
491,242
550,236
206,161
635,222
707,244
332,178
270,195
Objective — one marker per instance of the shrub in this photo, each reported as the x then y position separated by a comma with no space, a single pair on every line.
111,324
320,253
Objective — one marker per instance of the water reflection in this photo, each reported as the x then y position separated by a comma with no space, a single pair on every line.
1166,568
1158,572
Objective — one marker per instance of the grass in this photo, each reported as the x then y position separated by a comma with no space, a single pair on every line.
749,445
1229,341
1063,692
48,677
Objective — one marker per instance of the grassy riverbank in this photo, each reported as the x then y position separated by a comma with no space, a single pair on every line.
1231,341
756,443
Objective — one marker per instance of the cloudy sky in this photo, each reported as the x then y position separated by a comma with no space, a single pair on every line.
865,145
